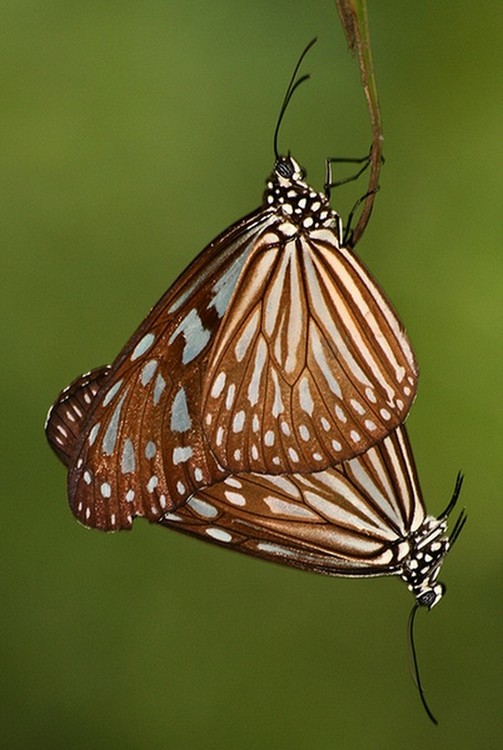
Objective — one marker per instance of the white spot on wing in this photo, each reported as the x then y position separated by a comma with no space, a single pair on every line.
340,415
225,285
359,409
112,392
110,436
150,449
218,385
304,433
238,421
306,400
142,346
180,418
277,407
219,534
94,432
284,508
235,498
182,454
148,371
254,385
195,335
244,341
233,482
160,385
202,508
370,394
128,463
152,483
229,399
106,490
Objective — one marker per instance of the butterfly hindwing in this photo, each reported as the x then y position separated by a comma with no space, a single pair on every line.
69,411
352,520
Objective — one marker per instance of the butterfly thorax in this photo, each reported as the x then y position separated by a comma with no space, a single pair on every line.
428,547
300,205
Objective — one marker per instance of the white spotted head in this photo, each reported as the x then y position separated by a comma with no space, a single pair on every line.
428,547
290,196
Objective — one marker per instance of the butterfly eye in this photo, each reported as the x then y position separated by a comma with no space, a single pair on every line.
284,167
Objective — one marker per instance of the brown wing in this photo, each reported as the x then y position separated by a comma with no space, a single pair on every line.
310,366
141,449
353,520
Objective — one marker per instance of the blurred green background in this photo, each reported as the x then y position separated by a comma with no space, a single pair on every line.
130,135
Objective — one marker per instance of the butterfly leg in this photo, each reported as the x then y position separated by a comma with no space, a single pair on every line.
348,231
331,183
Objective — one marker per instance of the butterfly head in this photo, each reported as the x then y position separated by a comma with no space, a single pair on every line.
295,202
428,548
287,170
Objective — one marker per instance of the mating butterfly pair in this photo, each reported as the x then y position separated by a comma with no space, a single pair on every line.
259,406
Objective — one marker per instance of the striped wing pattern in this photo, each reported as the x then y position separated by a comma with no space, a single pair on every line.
352,520
141,450
311,365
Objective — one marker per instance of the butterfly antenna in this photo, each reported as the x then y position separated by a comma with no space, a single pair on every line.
455,496
289,93
458,528
414,665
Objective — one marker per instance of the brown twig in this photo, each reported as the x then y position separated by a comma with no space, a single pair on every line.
354,19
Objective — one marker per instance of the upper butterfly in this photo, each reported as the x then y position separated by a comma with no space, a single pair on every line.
274,351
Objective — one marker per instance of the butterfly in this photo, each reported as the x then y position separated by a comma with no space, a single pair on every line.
274,351
365,517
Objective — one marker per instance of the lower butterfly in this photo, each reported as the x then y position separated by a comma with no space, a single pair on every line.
364,518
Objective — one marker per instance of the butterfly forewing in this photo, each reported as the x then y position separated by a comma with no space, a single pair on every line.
350,520
311,365
141,449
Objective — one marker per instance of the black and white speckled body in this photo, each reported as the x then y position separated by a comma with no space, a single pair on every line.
301,206
429,546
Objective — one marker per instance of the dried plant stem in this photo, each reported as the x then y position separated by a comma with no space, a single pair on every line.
354,19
